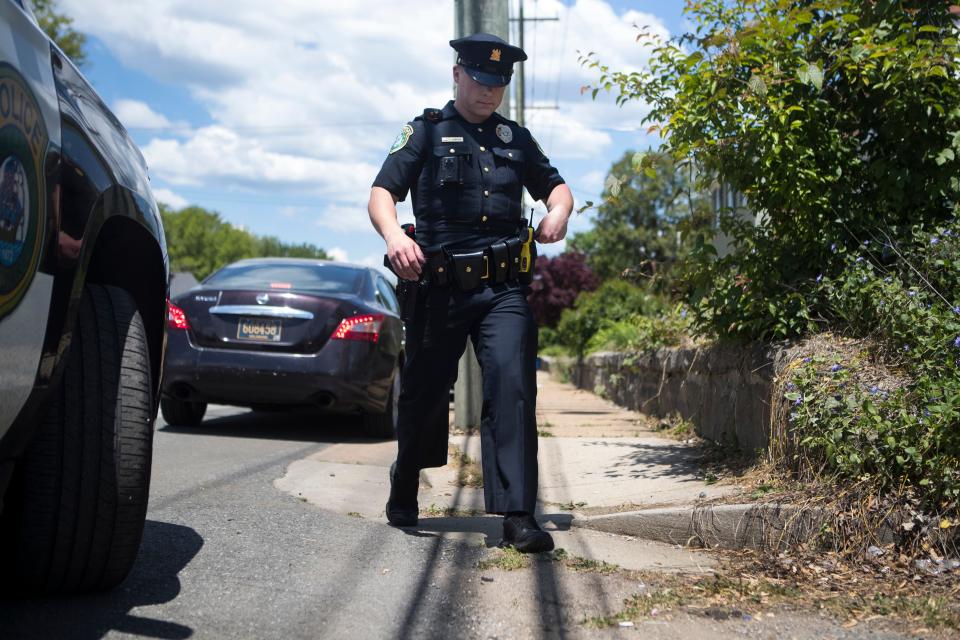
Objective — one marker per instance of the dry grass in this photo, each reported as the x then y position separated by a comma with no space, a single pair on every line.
469,471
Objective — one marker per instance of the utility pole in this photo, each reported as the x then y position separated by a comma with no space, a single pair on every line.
473,16
521,84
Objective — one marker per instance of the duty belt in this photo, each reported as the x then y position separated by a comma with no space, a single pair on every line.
505,261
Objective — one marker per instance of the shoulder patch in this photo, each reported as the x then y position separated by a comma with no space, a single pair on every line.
402,138
433,115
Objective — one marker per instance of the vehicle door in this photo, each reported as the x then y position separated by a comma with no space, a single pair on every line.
29,143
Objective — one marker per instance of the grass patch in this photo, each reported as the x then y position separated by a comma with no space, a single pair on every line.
676,427
585,565
354,514
435,511
639,606
543,433
508,559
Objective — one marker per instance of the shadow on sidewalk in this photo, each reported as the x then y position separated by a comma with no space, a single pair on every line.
489,526
166,549
645,460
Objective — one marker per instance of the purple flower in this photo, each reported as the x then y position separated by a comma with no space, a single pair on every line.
956,342
798,401
911,293
934,240
791,386
807,360
906,347
956,310
833,247
948,233
866,243
820,278
874,389
859,258
835,368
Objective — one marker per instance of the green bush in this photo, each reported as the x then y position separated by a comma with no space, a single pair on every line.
642,333
838,119
906,297
614,301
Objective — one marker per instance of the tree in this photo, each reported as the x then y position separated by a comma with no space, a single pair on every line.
557,283
838,119
646,218
200,241
59,27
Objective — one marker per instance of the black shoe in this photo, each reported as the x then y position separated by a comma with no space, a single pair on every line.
402,507
522,532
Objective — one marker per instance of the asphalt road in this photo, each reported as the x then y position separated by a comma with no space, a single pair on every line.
225,554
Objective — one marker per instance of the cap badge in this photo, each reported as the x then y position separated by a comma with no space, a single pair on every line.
505,133
495,55
402,138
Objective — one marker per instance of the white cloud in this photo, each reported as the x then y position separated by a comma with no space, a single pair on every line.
306,97
345,218
168,197
338,254
135,114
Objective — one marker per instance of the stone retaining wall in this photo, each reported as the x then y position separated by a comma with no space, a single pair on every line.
725,392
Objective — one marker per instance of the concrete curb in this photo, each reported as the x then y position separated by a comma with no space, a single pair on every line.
727,526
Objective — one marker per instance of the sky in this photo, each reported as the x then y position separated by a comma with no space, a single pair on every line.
278,115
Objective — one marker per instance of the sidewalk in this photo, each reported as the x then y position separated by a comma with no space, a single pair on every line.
597,462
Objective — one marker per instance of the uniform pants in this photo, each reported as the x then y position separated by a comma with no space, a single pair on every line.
499,321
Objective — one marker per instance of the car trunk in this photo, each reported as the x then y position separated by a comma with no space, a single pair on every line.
291,322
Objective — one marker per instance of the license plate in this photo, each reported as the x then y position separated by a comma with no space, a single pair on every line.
259,330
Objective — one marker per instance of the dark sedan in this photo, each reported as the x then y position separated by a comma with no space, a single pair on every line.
276,332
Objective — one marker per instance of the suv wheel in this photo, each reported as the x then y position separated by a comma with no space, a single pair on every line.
182,413
78,499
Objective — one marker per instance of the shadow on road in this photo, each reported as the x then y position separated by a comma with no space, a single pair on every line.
165,551
301,424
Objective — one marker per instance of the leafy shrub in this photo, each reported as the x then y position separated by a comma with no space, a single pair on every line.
615,300
908,434
836,118
557,283
641,333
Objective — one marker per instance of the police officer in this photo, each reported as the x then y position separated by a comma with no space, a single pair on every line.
466,167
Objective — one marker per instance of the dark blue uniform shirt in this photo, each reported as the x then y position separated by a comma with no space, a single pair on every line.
466,179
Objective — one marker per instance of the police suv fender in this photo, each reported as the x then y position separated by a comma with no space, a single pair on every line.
83,283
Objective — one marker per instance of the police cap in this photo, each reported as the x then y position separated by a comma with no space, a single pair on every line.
487,58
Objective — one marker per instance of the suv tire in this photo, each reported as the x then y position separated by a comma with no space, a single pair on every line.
78,500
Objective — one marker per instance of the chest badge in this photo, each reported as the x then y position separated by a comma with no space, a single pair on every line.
505,133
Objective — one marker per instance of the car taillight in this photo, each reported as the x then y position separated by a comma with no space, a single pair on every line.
365,328
176,318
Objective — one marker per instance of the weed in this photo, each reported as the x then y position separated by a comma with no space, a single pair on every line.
508,559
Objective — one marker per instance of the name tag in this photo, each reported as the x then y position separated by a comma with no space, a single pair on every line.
451,139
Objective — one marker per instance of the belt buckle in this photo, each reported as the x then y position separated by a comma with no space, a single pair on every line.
486,268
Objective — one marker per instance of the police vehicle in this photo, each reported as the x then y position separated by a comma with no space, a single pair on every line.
83,282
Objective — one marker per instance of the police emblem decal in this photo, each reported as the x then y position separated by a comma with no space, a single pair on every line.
402,138
23,147
495,55
505,133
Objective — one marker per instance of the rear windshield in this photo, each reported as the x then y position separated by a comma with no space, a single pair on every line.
309,277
